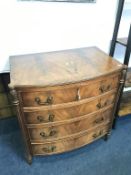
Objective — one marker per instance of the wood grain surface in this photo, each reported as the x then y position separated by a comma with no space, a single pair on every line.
43,133
64,113
125,106
69,143
61,67
69,93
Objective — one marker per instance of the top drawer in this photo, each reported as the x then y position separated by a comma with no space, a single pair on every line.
68,93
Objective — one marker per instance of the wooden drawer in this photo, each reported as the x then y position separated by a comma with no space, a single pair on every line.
56,113
41,133
70,143
69,93
44,98
98,88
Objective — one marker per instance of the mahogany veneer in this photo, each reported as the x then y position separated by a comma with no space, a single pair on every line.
65,99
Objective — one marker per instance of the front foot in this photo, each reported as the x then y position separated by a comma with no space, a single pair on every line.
106,137
114,123
29,159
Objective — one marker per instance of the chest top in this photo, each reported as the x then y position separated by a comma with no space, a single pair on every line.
61,67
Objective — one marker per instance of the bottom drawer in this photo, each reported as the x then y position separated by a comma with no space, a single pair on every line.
69,144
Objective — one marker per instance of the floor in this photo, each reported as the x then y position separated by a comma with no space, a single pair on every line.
99,158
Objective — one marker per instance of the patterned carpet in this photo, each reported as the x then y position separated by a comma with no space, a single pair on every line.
99,158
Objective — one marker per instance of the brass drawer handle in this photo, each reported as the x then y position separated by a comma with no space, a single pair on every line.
49,149
50,118
104,88
48,101
97,135
51,133
100,105
99,120
40,118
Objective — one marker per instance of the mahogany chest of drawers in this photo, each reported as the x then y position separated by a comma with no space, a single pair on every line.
64,99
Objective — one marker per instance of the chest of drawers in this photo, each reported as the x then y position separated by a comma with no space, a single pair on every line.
64,99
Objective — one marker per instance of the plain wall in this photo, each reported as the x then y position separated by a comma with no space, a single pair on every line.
30,27
123,31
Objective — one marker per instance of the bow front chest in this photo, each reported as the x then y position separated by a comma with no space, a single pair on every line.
64,99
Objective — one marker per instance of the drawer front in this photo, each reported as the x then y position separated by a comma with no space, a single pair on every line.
41,133
45,98
55,115
69,143
69,94
99,88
